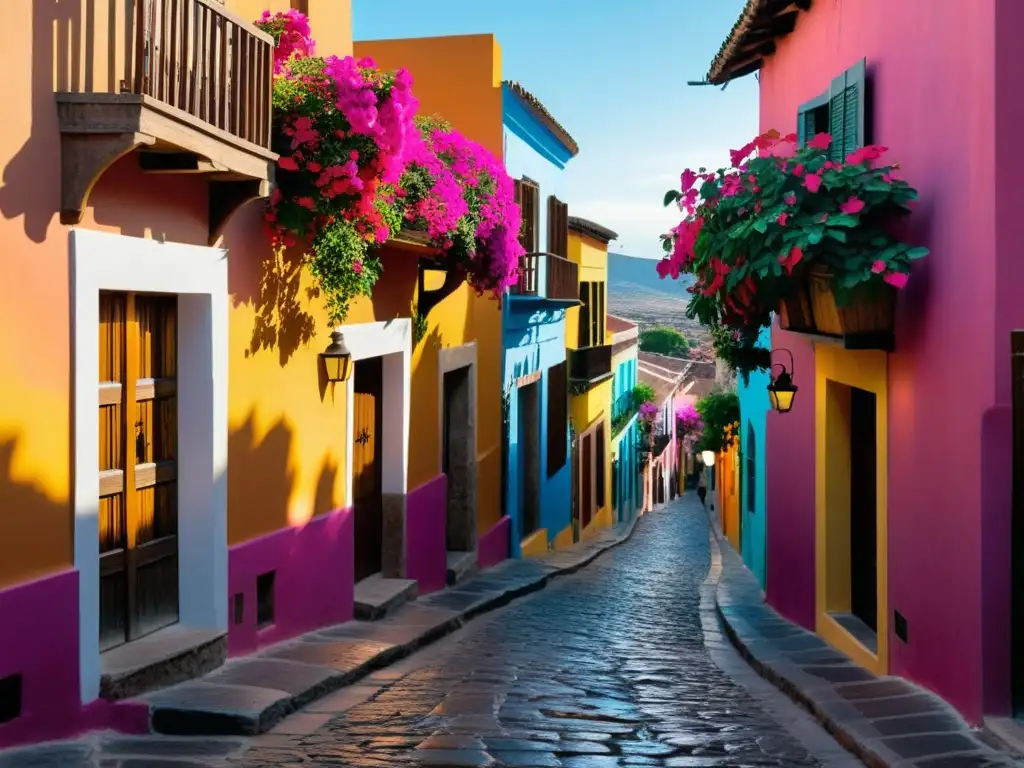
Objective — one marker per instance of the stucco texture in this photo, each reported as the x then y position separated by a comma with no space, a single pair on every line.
948,478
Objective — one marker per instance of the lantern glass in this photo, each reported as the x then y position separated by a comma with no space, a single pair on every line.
708,457
337,359
781,399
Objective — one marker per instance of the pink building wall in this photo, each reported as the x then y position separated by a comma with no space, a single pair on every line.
949,384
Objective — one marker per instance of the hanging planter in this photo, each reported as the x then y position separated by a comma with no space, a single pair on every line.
795,312
869,309
792,230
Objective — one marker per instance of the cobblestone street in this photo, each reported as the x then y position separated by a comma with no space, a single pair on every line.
608,667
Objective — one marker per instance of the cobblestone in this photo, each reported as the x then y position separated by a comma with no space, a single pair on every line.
608,667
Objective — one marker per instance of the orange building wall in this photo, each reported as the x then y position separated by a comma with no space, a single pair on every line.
458,78
283,467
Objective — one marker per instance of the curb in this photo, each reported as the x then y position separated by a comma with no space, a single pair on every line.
180,711
857,734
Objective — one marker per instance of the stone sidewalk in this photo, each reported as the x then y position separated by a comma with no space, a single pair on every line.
250,695
885,721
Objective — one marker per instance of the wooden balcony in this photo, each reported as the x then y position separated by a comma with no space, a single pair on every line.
548,276
589,366
186,82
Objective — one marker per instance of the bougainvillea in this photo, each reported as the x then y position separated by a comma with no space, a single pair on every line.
291,34
689,426
355,169
460,195
747,227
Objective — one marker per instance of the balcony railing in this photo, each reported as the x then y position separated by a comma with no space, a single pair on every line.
186,82
191,55
660,443
590,365
548,276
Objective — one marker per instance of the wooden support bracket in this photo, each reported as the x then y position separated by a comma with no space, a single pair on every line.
226,197
427,300
84,159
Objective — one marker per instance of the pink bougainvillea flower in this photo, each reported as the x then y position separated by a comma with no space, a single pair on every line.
783,218
357,267
306,202
896,279
867,154
789,261
790,138
737,156
287,163
668,267
687,180
789,199
821,141
852,205
878,267
798,170
813,182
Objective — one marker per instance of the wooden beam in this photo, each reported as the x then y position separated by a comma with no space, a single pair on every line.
84,157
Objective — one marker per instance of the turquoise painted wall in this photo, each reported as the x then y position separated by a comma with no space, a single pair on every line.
754,408
624,443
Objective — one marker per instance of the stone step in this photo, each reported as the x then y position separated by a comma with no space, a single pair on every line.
376,596
250,696
169,656
461,566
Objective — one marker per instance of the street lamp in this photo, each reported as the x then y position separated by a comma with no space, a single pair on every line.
782,390
337,359
708,457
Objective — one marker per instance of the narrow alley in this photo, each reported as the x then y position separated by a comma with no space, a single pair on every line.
620,664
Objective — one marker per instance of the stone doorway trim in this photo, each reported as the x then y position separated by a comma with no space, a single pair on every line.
453,359
199,276
390,340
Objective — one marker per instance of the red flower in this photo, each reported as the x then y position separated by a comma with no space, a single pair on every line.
813,182
821,141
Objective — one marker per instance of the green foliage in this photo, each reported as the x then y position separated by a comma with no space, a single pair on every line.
663,340
720,412
739,351
430,123
642,393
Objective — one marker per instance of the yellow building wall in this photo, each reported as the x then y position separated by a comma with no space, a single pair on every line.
727,490
536,544
836,370
458,78
592,258
563,539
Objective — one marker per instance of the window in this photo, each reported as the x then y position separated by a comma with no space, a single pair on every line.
601,448
558,227
592,331
615,484
528,197
840,111
750,452
558,417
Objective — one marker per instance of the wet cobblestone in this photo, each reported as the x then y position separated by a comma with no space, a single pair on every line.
607,667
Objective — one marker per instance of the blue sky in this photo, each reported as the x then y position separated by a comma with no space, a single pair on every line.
614,74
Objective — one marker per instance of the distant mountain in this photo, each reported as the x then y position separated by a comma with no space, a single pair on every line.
636,292
635,275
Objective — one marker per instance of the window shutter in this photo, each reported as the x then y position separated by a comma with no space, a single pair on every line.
584,316
558,227
847,101
854,108
804,126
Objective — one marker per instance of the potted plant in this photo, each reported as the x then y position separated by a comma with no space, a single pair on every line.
788,229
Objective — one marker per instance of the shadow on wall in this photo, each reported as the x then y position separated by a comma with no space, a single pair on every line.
282,321
24,508
261,481
31,180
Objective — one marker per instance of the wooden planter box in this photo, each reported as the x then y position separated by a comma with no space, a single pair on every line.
868,312
795,311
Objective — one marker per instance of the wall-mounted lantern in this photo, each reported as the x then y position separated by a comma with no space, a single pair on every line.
782,390
708,457
337,358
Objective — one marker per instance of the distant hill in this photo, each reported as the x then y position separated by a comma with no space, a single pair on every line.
636,292
632,274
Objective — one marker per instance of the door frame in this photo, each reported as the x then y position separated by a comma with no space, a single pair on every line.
101,261
452,359
390,340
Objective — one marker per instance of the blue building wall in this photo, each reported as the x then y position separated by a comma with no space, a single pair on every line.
533,340
533,329
625,442
754,408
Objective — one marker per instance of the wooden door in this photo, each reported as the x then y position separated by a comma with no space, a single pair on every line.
587,478
367,420
138,505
